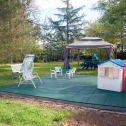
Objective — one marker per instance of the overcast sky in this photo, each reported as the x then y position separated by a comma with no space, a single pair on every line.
48,7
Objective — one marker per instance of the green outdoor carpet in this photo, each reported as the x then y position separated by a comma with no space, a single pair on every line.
79,89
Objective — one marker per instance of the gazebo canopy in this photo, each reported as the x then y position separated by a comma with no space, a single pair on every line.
90,42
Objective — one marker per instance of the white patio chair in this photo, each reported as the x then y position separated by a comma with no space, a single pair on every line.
69,73
27,72
53,72
74,70
15,68
58,70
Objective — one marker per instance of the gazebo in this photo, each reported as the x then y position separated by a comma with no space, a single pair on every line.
88,43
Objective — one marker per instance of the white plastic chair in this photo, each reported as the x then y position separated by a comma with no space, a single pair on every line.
53,72
74,70
58,70
15,68
69,73
27,72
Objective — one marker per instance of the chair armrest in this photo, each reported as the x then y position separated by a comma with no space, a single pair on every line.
52,70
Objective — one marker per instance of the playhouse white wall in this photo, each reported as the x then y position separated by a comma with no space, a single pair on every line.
110,83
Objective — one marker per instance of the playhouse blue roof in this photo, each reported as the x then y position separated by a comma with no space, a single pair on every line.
115,61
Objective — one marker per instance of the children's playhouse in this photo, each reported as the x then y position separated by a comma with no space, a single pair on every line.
112,75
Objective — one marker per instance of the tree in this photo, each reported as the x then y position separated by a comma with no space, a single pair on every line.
16,30
94,29
114,20
68,27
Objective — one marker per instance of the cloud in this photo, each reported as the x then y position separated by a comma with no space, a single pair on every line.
43,4
48,7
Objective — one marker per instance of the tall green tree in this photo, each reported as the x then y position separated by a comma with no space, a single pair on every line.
114,20
17,31
69,25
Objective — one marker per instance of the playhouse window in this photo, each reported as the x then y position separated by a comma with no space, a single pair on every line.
109,72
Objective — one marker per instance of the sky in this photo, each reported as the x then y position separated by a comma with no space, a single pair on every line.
48,8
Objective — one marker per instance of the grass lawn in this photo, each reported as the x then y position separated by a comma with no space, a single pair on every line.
16,113
43,69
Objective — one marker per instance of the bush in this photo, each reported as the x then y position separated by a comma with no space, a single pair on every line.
121,55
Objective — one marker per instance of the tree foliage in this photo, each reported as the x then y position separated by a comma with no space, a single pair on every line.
16,31
94,29
114,20
68,27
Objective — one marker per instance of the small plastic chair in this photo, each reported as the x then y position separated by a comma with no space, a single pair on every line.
69,73
53,72
58,70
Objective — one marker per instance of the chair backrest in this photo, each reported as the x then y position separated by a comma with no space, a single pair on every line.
58,69
95,56
28,69
27,66
28,57
74,70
